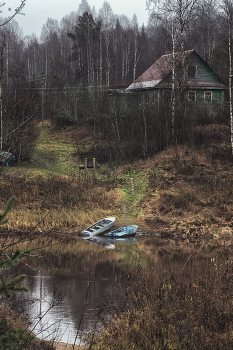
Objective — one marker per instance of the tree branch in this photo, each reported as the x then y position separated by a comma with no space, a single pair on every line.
20,126
17,10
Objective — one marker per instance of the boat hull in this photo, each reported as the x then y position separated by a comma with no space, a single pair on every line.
99,227
123,231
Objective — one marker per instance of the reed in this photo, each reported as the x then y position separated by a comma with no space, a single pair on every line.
71,202
184,309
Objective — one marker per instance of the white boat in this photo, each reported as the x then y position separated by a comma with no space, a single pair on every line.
99,227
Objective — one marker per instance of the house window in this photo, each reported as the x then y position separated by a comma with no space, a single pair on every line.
192,96
208,96
146,97
154,96
167,95
192,71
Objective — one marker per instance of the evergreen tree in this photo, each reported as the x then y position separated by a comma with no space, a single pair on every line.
12,285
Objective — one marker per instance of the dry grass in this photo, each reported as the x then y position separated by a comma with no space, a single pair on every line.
188,193
64,346
176,191
183,191
183,309
56,202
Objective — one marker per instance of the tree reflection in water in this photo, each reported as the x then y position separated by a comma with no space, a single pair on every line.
82,283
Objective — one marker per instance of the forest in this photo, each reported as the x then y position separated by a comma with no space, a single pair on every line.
66,74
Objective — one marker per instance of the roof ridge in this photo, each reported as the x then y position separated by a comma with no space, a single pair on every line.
177,53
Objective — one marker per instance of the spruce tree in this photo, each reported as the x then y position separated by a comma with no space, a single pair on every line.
12,285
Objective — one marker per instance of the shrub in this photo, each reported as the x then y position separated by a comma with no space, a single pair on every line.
12,338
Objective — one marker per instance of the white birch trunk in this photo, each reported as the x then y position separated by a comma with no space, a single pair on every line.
230,83
108,62
135,54
123,66
101,61
46,67
7,63
127,60
1,136
173,83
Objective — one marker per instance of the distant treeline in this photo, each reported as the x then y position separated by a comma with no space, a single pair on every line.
65,74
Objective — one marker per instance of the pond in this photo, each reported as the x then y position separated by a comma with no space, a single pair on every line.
66,293
79,294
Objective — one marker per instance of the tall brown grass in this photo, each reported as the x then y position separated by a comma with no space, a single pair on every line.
55,191
188,191
70,201
185,310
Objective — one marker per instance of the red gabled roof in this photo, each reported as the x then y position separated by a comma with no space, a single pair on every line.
161,68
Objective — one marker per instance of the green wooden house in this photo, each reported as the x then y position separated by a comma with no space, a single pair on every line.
193,77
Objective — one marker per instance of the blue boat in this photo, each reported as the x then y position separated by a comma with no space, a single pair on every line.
123,231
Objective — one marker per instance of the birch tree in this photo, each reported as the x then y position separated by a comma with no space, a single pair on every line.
175,16
107,19
50,37
135,46
3,22
227,7
206,31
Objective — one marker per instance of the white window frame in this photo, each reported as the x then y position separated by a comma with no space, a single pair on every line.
195,96
211,96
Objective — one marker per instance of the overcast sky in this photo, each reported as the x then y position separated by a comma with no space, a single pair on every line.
37,11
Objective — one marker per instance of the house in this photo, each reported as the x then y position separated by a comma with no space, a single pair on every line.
194,80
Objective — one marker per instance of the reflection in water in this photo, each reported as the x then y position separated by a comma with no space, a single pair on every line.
100,241
88,283
126,239
76,313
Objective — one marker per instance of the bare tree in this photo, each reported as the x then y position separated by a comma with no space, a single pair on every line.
17,11
175,16
227,7
5,58
107,20
135,46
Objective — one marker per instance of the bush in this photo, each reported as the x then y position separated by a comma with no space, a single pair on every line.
14,339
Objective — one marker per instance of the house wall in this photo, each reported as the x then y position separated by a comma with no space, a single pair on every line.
205,80
218,96
204,74
157,96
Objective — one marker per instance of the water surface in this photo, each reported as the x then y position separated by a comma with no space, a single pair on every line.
82,289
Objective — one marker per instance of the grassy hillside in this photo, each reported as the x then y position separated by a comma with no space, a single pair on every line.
183,191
